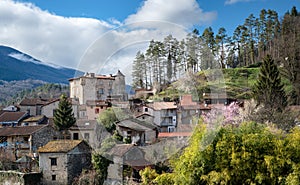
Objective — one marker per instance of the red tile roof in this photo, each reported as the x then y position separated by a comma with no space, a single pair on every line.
163,105
174,134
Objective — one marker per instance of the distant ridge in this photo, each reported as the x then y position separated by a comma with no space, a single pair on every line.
15,65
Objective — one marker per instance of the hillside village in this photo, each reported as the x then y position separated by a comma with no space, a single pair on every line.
31,141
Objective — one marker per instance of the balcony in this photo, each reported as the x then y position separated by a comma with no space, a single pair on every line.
167,123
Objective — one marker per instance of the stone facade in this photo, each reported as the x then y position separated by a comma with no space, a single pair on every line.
61,161
48,109
164,114
18,178
98,87
85,130
27,139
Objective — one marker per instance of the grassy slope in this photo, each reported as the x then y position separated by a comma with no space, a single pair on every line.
237,83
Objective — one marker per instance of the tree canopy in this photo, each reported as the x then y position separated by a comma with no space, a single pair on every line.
249,154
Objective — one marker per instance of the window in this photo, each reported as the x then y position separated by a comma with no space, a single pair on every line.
86,136
110,91
53,161
26,138
53,177
171,129
101,91
146,109
97,111
82,114
75,136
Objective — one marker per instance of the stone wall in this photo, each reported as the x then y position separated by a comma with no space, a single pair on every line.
48,170
43,136
18,178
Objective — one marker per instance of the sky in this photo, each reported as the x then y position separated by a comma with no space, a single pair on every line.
104,36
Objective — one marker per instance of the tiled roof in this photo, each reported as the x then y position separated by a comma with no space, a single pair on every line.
59,146
104,77
163,105
37,101
2,111
136,124
34,118
19,131
12,116
174,134
120,149
138,164
143,114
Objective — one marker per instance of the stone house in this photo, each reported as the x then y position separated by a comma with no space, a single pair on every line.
95,107
35,120
25,140
122,156
215,98
145,117
61,161
139,132
85,130
49,108
9,118
188,109
164,113
34,105
98,87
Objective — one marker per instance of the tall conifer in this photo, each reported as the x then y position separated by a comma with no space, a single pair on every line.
64,116
268,89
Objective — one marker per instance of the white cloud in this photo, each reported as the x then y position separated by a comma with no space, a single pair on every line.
228,2
94,45
47,37
183,12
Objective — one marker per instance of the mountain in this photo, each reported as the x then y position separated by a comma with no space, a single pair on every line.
15,66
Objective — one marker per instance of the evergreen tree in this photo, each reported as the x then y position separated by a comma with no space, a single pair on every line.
64,116
268,91
139,76
221,38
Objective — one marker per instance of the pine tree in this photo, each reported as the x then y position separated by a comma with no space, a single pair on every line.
139,78
268,89
64,116
269,92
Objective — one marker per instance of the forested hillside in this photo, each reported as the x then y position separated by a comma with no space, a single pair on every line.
267,33
44,90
